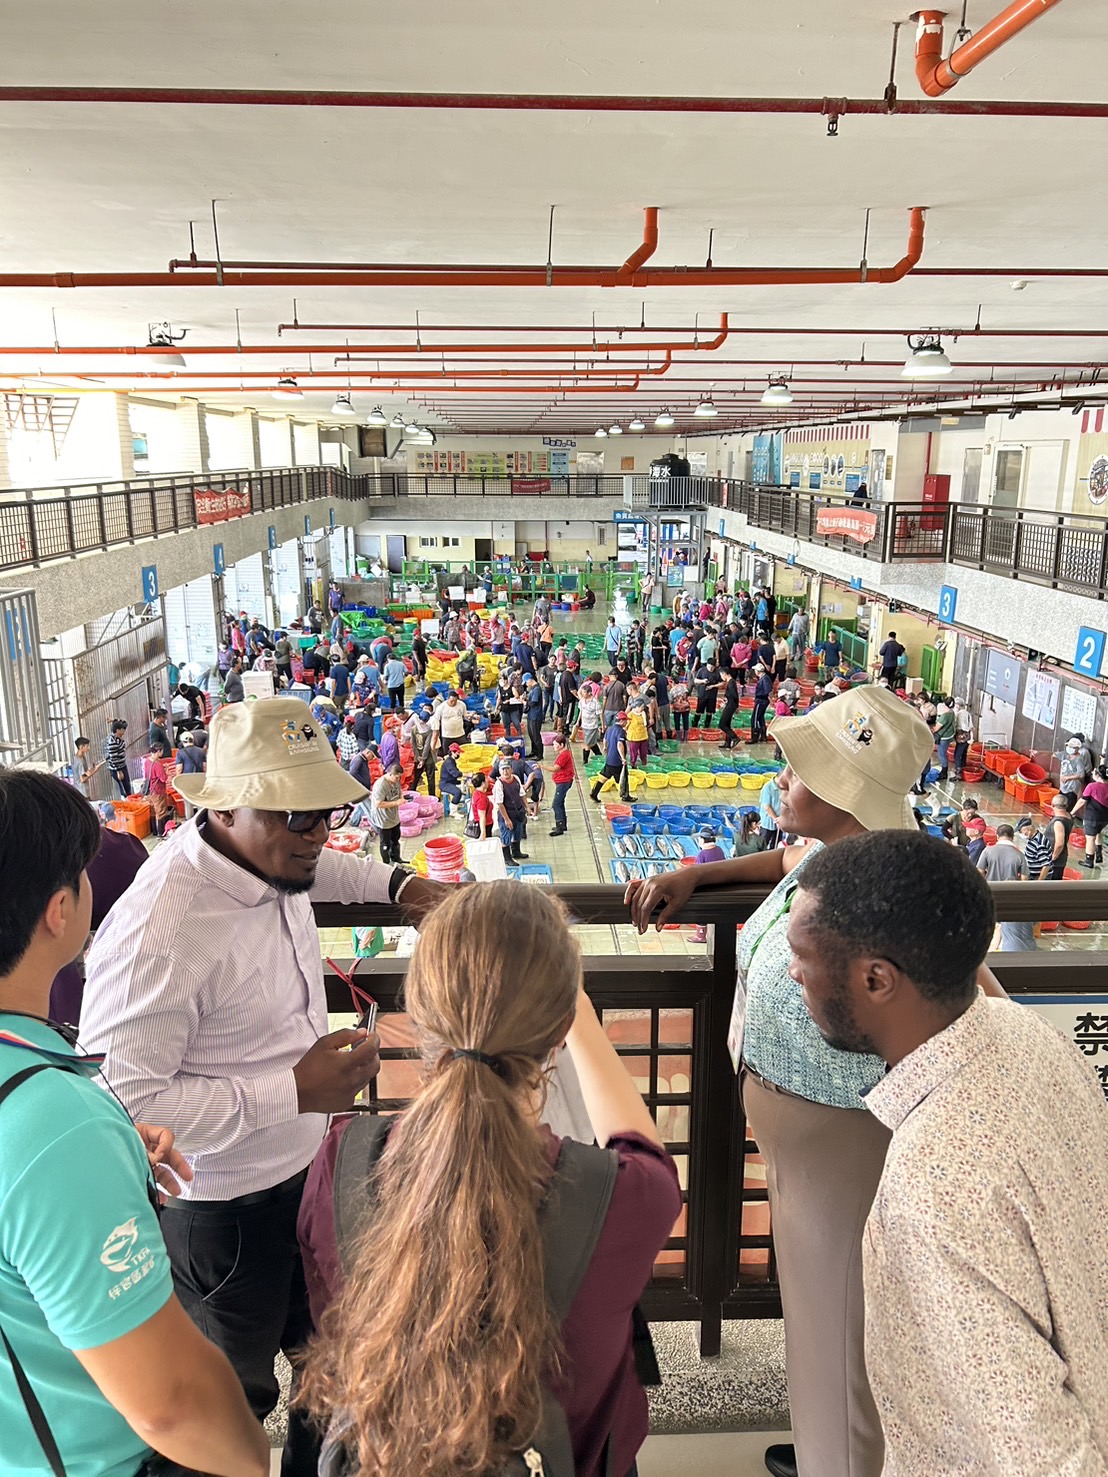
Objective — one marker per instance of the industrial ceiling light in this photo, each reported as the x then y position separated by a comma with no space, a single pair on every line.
600,433
615,430
287,389
397,422
706,409
926,359
636,425
342,406
161,336
663,421
376,417
425,437
411,429
777,392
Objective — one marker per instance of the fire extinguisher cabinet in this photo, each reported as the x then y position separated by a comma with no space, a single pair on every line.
936,494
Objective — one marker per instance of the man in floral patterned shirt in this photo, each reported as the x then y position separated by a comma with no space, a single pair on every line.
985,1253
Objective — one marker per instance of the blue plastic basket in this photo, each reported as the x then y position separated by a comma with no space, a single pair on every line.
670,812
650,811
623,825
648,827
681,828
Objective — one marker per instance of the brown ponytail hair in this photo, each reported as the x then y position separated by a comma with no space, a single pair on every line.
437,1350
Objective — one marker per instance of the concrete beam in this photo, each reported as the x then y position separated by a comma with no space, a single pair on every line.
72,592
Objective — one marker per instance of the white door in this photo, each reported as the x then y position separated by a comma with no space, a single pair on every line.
1043,479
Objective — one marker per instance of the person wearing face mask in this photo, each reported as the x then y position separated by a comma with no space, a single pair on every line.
850,764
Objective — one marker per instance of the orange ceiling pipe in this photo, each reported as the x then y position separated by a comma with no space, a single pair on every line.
146,384
385,352
936,76
649,246
392,375
367,352
457,276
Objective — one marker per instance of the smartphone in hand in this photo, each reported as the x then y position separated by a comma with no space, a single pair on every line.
368,1021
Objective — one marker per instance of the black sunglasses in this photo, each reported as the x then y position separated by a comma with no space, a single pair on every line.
300,822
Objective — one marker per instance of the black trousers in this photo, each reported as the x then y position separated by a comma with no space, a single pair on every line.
534,733
238,1274
424,766
390,844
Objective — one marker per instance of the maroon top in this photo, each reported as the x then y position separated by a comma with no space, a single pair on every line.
602,1395
110,873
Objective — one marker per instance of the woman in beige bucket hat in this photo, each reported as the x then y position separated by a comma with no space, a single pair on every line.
850,764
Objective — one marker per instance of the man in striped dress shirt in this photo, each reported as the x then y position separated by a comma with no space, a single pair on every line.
115,756
205,992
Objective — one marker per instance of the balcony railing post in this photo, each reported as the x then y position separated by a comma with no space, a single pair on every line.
32,529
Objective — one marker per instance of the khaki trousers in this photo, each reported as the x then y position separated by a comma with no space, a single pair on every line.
822,1167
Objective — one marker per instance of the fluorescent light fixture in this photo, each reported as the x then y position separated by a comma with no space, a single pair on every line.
926,359
600,433
615,430
161,336
777,392
376,417
287,389
342,406
636,425
663,421
705,410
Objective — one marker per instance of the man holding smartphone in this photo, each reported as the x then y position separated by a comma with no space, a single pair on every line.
205,992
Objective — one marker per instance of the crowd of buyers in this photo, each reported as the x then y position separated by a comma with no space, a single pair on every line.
456,1287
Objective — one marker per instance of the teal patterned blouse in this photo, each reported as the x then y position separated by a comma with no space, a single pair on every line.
781,1041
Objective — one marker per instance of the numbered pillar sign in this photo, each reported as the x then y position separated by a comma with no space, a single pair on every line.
217,556
332,512
856,582
1090,652
150,583
307,525
948,604
272,538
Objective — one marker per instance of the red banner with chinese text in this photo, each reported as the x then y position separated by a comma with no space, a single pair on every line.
855,523
216,505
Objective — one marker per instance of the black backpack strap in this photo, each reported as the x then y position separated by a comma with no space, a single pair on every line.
360,1147
35,1413
572,1217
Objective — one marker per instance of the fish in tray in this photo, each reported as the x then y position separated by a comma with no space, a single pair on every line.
618,846
648,846
662,847
623,871
660,869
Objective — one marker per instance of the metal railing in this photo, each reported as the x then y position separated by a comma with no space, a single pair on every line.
671,1016
39,524
1065,551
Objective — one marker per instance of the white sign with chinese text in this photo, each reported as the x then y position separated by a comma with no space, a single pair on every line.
1082,1019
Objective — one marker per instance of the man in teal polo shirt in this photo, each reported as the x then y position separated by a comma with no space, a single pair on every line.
98,1361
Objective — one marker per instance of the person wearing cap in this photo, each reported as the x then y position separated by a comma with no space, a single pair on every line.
535,702
451,779
346,744
710,849
205,992
615,760
384,810
1037,846
1073,774
849,767
418,733
511,812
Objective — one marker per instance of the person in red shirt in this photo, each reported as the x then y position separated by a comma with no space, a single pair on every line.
157,783
563,782
481,808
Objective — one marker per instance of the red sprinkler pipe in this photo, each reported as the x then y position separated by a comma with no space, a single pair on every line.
952,333
458,276
827,107
937,76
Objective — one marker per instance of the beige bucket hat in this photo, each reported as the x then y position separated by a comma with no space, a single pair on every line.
860,752
270,754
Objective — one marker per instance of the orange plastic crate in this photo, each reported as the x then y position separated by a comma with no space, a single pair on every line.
1008,762
135,815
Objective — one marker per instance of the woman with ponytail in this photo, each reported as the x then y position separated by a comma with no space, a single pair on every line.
436,1351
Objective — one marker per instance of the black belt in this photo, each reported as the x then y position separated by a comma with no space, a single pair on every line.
294,1184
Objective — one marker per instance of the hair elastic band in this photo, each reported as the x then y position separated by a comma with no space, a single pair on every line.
479,1056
